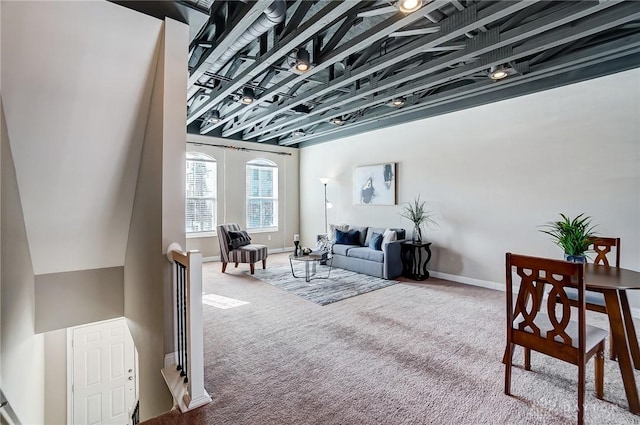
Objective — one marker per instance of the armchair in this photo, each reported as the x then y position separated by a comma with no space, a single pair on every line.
249,253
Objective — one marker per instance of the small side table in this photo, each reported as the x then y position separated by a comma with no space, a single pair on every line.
412,265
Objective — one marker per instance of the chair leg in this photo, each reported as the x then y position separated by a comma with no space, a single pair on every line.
581,370
599,369
224,267
527,359
252,266
264,264
507,369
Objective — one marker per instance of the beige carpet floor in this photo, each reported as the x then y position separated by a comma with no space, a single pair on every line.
411,353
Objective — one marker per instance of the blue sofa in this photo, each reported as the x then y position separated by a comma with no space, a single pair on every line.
386,264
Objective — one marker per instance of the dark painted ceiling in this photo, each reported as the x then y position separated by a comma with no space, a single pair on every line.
365,54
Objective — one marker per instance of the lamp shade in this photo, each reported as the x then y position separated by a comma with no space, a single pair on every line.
324,180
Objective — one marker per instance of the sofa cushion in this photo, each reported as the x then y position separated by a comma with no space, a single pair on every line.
365,253
376,241
339,249
238,239
363,233
352,237
371,231
332,230
389,236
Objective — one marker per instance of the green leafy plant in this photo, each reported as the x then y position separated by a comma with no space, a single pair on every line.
572,235
417,212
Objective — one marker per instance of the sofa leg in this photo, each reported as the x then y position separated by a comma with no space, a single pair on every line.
224,267
252,266
236,265
264,264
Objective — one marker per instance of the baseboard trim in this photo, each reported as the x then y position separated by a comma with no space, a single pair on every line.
469,281
635,312
271,251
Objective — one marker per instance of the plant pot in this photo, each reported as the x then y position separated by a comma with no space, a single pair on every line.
575,258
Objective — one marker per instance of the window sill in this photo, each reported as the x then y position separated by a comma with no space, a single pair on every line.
201,235
263,230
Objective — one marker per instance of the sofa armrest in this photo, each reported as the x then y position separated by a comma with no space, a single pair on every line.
392,266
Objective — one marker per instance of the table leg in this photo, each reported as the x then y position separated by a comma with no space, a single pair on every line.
622,348
416,266
307,276
631,330
425,272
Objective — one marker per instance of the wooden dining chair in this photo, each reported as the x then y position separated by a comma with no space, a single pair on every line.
552,332
595,300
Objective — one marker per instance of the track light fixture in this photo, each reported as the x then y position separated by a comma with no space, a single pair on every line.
248,95
409,6
398,102
303,61
500,72
298,133
213,117
336,121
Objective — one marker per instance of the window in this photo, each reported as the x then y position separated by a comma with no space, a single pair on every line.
201,193
262,194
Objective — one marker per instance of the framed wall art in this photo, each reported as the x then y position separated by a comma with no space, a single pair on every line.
375,184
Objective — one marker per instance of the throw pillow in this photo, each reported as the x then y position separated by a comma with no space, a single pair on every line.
238,239
376,241
352,237
332,230
389,236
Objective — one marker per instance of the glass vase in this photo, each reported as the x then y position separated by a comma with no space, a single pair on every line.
417,234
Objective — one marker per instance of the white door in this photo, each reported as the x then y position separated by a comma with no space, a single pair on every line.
103,380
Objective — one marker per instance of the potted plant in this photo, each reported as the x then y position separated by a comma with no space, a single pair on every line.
417,213
572,235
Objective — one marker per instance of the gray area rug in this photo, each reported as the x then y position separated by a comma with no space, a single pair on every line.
342,284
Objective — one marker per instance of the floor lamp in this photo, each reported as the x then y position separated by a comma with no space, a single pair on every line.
327,204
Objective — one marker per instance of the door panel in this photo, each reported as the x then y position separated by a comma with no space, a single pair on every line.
103,373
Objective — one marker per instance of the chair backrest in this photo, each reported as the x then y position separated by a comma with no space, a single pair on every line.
547,332
224,240
602,247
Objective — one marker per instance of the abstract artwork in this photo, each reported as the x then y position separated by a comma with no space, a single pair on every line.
375,184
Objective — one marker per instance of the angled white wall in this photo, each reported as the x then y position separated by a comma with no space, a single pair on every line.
76,86
493,174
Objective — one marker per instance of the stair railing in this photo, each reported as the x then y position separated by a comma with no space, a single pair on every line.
185,378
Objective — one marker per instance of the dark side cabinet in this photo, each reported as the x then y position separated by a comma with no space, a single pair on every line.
413,265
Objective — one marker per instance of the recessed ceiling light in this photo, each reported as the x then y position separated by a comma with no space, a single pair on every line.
398,102
248,96
409,6
499,72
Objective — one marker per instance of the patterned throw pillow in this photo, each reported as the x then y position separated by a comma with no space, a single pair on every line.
332,230
389,236
238,239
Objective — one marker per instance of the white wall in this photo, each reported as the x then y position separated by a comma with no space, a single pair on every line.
493,174
231,197
76,107
22,349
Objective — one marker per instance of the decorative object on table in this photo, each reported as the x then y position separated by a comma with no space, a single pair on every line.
417,213
572,235
296,242
327,203
375,184
306,251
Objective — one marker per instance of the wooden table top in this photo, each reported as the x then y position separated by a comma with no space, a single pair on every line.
603,277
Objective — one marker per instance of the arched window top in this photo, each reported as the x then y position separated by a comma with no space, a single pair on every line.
263,162
200,156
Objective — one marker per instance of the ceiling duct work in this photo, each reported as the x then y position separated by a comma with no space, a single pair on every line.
272,16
